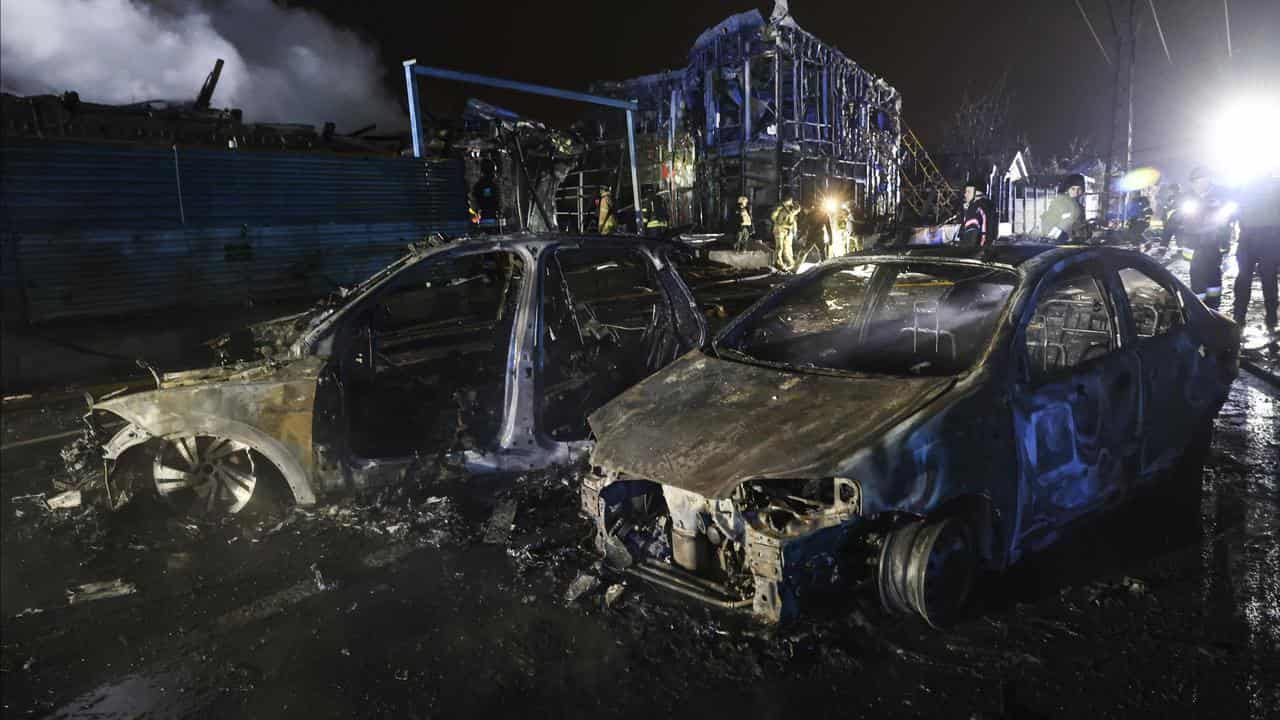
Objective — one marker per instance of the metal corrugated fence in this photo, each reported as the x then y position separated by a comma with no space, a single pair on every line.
112,230
119,273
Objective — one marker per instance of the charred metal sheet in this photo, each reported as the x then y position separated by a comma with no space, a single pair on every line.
268,410
241,228
706,425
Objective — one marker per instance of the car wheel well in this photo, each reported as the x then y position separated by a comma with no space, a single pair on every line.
978,509
128,474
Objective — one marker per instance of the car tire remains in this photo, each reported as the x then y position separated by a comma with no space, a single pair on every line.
929,567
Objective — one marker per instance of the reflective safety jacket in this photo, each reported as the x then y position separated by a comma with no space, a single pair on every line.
1063,219
1204,222
979,228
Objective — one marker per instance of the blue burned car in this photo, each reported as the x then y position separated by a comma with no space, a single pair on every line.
915,416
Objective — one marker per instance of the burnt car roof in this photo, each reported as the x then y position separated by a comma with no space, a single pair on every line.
1011,255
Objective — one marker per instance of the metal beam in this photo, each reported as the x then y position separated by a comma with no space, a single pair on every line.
635,182
441,73
415,121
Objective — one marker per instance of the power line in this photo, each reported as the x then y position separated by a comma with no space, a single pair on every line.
1093,32
1159,30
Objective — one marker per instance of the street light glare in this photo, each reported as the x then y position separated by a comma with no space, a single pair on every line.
1244,144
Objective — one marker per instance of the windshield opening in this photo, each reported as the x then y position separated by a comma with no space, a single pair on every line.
899,318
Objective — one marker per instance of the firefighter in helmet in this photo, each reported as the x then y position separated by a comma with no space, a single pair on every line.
1064,219
1203,226
784,234
744,223
608,221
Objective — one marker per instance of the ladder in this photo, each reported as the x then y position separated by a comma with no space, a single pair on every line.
924,189
576,197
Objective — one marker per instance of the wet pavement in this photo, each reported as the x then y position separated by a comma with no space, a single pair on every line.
482,598
1260,351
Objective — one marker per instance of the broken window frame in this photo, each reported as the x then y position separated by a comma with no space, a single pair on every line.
356,328
1097,274
1177,315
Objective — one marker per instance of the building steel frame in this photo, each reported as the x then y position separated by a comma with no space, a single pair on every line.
412,70
772,111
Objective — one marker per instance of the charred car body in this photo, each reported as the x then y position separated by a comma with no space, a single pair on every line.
905,419
488,354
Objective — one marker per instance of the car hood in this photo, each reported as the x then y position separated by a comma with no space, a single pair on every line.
706,425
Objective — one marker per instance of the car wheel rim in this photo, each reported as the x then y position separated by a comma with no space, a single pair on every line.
205,475
946,579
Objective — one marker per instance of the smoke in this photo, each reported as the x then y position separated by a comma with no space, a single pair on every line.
282,64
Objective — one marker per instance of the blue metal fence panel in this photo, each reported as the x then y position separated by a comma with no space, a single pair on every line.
121,272
97,230
48,187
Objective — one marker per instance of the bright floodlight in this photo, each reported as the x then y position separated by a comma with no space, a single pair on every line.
1245,144
1138,179
830,204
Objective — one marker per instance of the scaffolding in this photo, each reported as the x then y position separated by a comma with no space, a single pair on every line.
763,110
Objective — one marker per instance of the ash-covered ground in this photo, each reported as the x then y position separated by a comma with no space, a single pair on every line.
447,598
426,601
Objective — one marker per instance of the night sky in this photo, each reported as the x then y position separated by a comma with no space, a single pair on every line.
931,51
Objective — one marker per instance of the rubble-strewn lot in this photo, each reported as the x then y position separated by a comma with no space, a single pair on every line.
484,598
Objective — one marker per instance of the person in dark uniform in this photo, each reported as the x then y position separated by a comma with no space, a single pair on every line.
1259,250
978,229
1202,226
485,199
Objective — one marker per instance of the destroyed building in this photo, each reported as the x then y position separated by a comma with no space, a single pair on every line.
763,109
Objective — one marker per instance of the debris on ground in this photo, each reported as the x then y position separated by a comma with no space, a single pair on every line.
498,529
29,503
397,511
103,590
616,554
581,585
65,500
613,594
1135,586
81,463
321,583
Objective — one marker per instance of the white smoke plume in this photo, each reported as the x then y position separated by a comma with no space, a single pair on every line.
282,64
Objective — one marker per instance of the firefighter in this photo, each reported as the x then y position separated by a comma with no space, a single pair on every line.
852,243
979,224
784,234
839,229
1064,219
744,224
485,200
1203,226
1259,250
608,221
1138,216
832,242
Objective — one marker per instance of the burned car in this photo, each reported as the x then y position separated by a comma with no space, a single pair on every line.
905,420
485,354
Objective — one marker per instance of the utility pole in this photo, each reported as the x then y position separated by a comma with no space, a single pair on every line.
1104,202
1133,57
